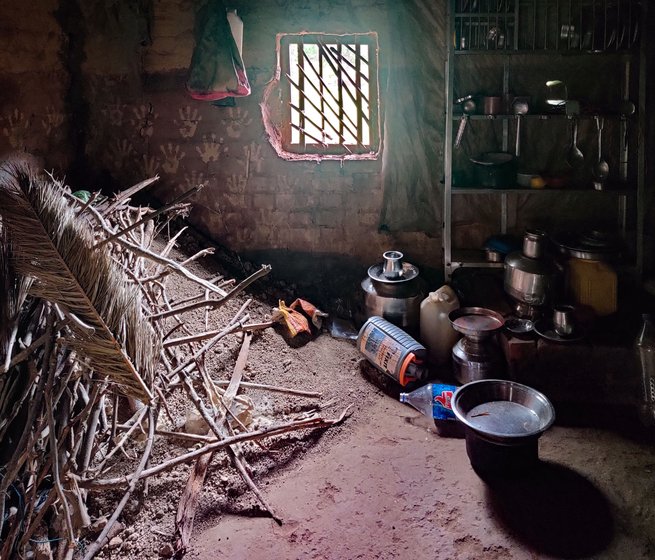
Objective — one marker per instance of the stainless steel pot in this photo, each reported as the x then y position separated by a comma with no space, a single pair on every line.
394,291
529,276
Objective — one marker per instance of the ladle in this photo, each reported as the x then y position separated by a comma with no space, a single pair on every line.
520,107
468,108
575,157
602,169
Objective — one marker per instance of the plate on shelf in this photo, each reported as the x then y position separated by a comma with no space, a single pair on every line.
545,330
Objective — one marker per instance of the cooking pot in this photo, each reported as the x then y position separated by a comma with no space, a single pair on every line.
495,169
492,104
529,275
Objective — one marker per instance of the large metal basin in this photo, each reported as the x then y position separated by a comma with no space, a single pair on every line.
503,421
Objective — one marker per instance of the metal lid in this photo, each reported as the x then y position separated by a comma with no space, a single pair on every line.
592,245
393,270
475,321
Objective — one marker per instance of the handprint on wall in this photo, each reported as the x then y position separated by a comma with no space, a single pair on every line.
286,183
16,129
194,179
114,113
236,121
148,165
211,148
237,183
144,120
172,157
53,119
253,153
121,152
188,122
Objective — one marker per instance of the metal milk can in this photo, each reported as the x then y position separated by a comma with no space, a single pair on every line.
394,291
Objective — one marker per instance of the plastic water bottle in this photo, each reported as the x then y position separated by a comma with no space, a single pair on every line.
434,400
646,352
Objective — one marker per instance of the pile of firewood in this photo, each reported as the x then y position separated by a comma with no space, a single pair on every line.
90,349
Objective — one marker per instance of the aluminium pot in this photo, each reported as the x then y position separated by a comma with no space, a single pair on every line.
496,170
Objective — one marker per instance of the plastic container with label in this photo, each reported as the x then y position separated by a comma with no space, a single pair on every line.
392,350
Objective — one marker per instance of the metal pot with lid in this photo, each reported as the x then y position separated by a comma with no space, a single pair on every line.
394,291
593,245
529,275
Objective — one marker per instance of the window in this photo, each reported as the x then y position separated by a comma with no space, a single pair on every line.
330,90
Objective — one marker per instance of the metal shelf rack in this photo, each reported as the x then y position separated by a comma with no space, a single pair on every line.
506,29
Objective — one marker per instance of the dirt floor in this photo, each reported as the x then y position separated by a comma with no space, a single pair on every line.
383,484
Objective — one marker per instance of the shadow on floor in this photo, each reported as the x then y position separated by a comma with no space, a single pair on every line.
553,510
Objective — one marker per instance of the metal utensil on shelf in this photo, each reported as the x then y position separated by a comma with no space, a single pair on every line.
468,108
575,158
601,169
519,107
626,109
495,38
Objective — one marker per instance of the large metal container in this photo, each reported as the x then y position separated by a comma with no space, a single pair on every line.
394,291
503,421
476,355
530,276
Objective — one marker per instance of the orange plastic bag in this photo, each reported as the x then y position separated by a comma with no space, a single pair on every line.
294,320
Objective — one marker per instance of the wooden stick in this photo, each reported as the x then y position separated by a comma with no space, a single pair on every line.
99,542
123,196
150,216
54,454
206,347
263,271
271,431
209,334
88,203
275,389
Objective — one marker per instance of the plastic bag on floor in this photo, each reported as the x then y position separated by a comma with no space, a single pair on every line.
295,321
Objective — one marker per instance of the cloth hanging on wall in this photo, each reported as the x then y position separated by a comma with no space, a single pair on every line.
413,96
216,70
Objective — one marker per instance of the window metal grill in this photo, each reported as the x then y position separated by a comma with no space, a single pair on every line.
332,94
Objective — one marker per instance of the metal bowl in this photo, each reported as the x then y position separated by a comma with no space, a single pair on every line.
502,422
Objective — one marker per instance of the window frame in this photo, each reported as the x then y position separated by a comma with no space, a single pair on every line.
369,151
